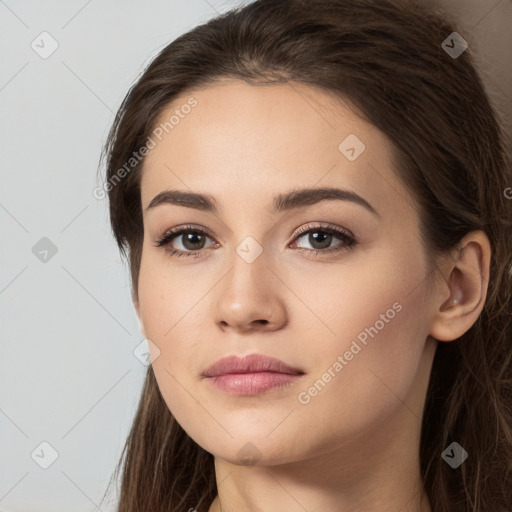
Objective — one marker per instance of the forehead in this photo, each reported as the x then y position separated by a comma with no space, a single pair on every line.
245,141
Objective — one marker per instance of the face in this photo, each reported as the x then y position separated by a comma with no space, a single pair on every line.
332,283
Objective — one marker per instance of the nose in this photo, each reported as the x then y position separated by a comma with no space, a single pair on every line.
250,298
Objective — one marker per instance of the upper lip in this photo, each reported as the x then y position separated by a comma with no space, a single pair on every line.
249,364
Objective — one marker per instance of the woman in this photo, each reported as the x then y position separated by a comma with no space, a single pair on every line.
312,196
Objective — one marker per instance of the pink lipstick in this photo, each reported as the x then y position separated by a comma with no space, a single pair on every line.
250,375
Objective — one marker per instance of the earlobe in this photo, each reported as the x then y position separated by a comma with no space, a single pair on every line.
463,291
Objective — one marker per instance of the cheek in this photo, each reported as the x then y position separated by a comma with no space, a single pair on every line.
171,304
379,290
342,301
166,302
166,294
367,360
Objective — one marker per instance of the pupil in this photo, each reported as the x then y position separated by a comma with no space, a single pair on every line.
313,238
189,238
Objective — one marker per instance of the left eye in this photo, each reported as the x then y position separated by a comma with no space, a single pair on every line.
193,239
322,237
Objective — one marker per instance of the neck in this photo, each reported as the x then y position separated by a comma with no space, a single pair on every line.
355,477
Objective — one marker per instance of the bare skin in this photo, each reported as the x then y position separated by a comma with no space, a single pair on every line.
353,444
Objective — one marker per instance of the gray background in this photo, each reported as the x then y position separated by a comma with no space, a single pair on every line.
69,376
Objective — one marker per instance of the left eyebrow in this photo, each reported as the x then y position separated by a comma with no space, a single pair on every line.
282,202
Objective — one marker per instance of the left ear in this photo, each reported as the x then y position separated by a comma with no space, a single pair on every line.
461,296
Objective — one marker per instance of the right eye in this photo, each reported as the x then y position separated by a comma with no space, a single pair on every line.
188,235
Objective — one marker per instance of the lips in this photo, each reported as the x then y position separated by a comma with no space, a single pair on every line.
252,363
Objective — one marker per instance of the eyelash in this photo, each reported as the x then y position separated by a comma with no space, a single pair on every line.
349,240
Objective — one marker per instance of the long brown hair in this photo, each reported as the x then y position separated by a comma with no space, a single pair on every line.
387,60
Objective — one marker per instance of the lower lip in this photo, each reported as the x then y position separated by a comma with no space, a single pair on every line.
252,383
